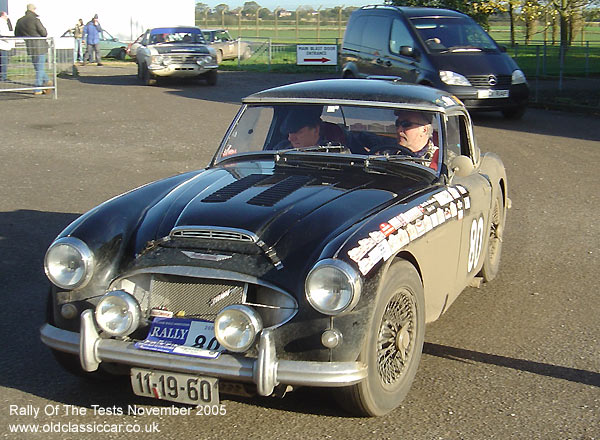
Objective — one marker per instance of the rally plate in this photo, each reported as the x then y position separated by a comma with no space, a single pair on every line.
185,337
175,387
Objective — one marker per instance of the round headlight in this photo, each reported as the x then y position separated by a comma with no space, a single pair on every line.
453,78
118,313
157,59
236,327
69,263
332,287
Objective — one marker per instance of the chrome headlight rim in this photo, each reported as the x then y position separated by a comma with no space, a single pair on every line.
452,78
87,260
254,320
354,280
134,313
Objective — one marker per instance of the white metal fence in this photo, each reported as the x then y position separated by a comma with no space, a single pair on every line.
22,72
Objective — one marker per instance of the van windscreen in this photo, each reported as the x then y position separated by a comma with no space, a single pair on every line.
452,34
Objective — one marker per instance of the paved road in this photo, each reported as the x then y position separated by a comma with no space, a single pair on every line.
517,359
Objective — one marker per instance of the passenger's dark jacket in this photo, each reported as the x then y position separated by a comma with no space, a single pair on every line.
30,26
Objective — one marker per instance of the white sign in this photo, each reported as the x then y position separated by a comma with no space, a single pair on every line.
316,54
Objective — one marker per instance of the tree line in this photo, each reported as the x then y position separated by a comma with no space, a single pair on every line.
562,19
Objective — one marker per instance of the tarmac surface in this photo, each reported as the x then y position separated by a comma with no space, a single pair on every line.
516,359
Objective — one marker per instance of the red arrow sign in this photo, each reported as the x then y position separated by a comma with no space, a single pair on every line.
316,60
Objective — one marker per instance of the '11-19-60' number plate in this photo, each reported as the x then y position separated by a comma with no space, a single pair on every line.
175,387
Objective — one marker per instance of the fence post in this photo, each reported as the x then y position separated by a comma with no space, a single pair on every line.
537,71
516,51
239,52
587,58
544,59
270,54
561,61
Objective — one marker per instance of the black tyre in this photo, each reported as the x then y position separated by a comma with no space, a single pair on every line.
393,347
348,75
211,77
70,362
121,55
491,264
514,112
139,71
147,78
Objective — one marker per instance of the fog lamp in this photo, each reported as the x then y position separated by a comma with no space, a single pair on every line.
118,313
331,338
236,327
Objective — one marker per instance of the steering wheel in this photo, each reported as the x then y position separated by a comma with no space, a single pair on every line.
386,149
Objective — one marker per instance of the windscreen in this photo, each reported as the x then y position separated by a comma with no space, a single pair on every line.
452,34
354,129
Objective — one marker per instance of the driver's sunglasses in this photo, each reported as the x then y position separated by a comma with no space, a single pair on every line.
406,124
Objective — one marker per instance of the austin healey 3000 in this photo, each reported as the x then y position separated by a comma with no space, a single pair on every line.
311,251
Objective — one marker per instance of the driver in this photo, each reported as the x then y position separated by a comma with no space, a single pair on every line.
302,128
414,133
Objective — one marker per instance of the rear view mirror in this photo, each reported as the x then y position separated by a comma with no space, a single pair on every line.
409,51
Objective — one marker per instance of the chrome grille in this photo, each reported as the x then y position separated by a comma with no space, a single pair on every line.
213,234
201,299
183,59
483,80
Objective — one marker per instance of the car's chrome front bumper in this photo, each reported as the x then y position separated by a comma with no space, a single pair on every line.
266,371
181,70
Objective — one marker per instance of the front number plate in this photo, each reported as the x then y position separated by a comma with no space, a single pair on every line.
481,94
175,387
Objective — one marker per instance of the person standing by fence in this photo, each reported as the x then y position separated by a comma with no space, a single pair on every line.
6,44
91,35
78,35
30,26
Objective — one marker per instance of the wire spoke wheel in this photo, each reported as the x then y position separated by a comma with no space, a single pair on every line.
491,265
396,338
392,348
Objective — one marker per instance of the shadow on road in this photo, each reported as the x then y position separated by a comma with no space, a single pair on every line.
558,372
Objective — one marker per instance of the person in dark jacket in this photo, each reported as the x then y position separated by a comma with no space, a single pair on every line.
30,26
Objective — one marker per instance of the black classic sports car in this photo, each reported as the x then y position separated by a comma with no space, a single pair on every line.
335,220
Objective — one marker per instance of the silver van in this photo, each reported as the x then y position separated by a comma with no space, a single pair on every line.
436,47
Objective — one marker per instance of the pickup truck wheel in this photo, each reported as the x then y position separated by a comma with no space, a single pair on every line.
393,347
121,55
147,78
491,264
211,77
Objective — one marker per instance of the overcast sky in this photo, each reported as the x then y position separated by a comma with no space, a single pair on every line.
290,4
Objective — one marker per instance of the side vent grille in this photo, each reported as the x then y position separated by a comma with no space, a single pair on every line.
279,191
234,188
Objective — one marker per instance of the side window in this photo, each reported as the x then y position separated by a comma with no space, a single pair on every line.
375,34
354,32
457,140
400,36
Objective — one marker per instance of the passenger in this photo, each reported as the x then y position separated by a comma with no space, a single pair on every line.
414,133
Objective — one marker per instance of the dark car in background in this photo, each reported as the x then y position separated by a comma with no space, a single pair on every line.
436,47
